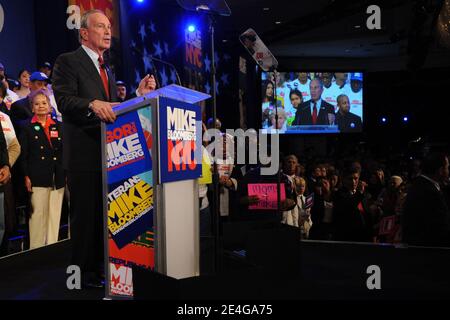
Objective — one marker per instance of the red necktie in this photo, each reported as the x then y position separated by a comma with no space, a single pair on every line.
314,114
104,76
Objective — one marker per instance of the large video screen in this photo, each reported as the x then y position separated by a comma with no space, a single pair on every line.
312,102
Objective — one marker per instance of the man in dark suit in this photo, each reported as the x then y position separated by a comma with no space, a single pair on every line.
85,92
426,216
315,111
345,120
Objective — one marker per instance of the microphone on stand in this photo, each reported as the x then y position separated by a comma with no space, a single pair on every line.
155,71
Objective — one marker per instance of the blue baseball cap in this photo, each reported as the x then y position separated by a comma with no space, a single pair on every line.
39,76
356,76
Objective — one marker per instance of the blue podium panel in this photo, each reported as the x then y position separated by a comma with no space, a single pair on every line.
180,141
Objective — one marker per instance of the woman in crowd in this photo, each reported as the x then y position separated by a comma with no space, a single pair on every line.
268,101
24,80
41,142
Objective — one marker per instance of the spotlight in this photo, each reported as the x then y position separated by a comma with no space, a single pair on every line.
383,119
139,1
191,28
405,119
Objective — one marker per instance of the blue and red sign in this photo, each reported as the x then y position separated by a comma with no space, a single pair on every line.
127,148
180,140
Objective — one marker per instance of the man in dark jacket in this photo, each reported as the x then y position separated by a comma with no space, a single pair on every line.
85,92
426,217
315,111
347,121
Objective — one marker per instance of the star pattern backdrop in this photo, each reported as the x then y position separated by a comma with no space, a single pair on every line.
158,31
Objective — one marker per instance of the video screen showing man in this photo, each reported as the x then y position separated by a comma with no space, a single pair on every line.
294,97
315,111
345,120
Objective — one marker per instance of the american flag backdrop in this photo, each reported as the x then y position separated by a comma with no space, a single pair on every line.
160,31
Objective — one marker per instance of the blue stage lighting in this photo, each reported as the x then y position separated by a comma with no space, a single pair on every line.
191,28
140,1
405,119
383,119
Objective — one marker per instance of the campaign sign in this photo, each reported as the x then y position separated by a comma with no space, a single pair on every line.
127,148
130,208
267,194
129,196
180,141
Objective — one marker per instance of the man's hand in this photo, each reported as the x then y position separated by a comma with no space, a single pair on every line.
104,110
361,186
225,181
147,85
28,184
5,175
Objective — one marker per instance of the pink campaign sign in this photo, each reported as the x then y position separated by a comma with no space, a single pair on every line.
267,193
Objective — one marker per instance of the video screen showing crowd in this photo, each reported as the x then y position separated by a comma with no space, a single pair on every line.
312,102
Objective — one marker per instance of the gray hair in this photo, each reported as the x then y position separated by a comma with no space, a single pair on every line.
280,111
84,22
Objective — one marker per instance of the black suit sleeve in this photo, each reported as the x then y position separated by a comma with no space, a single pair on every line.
65,87
4,160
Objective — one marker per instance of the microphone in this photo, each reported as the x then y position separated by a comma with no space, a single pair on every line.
161,61
170,65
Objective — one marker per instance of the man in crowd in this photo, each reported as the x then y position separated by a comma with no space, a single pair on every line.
302,84
121,91
85,91
426,216
345,120
315,111
46,68
11,96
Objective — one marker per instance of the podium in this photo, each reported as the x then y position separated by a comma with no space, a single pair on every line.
151,161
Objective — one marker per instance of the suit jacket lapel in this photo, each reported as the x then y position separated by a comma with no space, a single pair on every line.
91,70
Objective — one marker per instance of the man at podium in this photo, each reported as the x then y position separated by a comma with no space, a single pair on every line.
85,92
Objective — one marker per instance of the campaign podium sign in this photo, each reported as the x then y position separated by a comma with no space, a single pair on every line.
151,156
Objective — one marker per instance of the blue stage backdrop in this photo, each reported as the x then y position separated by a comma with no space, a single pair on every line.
152,29
17,37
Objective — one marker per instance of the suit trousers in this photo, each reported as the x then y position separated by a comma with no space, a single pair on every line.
45,218
86,211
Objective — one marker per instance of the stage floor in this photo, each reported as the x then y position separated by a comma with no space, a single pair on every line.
41,275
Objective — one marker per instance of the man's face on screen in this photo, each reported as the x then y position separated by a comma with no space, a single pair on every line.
356,85
99,33
316,90
344,104
326,79
341,78
303,77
